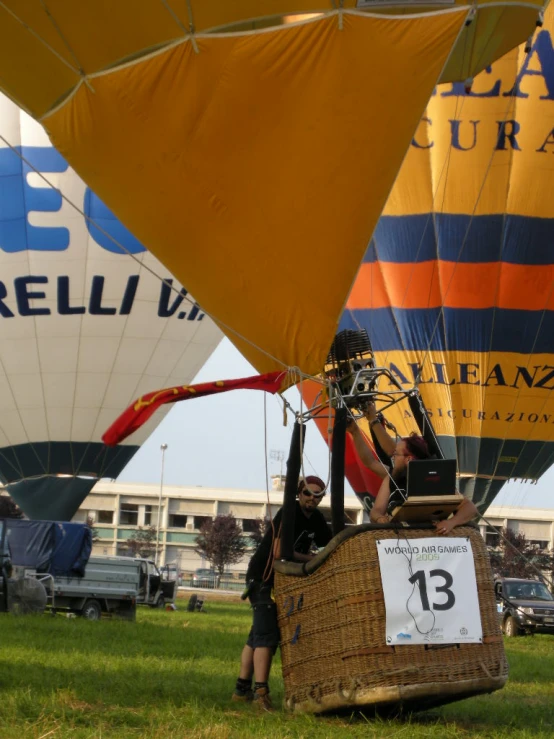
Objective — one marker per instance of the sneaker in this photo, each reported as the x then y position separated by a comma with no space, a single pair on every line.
243,697
262,699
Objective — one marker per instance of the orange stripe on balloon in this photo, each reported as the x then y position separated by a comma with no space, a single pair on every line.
382,284
454,285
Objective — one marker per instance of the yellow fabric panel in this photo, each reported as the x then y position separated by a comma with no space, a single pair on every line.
486,395
477,178
39,40
256,169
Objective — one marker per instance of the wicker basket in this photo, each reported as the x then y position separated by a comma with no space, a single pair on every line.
332,624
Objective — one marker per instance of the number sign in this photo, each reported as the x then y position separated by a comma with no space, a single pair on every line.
430,591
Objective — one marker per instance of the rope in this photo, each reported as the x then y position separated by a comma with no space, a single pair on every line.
271,557
465,238
187,33
431,217
66,44
517,551
124,249
58,56
531,353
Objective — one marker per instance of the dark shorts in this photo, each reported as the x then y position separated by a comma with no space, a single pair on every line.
265,630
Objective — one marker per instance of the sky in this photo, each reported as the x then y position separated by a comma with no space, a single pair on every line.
221,441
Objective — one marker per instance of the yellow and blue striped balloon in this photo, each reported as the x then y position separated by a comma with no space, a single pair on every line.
456,288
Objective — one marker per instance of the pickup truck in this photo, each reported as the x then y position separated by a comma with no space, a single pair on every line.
47,564
107,586
111,585
524,606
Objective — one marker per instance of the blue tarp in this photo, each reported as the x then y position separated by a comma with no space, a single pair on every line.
49,546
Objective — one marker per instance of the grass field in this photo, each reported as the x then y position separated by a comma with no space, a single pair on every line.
172,674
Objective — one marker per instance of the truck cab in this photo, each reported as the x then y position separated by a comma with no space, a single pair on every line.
154,590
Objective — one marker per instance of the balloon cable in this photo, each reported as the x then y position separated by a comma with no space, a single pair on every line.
124,249
527,561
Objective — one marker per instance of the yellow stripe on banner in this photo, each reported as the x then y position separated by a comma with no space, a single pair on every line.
498,395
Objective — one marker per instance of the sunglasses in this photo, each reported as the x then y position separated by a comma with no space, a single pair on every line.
311,494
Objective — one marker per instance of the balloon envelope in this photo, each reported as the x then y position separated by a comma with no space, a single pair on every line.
457,286
84,328
252,159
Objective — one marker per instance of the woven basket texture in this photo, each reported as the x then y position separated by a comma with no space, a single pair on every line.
333,648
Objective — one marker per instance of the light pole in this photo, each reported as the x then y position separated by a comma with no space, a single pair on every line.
163,448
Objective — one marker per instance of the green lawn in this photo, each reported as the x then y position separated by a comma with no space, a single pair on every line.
172,674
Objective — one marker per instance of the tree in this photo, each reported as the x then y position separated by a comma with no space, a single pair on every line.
518,558
143,543
221,542
8,509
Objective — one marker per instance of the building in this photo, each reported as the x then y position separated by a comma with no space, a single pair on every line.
536,523
118,509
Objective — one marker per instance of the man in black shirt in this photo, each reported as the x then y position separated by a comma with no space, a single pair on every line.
310,528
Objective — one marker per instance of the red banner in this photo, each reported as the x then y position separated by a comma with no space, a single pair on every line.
142,409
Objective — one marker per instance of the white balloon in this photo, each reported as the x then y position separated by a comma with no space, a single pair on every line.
85,329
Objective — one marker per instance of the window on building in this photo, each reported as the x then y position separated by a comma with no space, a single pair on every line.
128,515
105,517
539,544
151,515
177,521
249,525
199,520
492,539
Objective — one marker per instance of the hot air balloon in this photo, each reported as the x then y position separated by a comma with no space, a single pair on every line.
84,328
237,144
253,156
456,289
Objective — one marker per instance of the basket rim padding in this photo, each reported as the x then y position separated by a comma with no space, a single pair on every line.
303,569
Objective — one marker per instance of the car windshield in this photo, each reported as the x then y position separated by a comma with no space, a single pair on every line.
205,572
527,591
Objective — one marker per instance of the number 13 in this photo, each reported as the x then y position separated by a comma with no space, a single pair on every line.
419,577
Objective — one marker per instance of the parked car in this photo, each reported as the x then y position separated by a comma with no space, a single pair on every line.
524,606
205,578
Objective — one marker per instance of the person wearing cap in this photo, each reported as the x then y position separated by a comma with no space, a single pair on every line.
310,528
392,491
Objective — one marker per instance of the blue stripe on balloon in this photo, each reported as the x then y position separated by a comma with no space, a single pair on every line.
455,329
500,457
489,238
